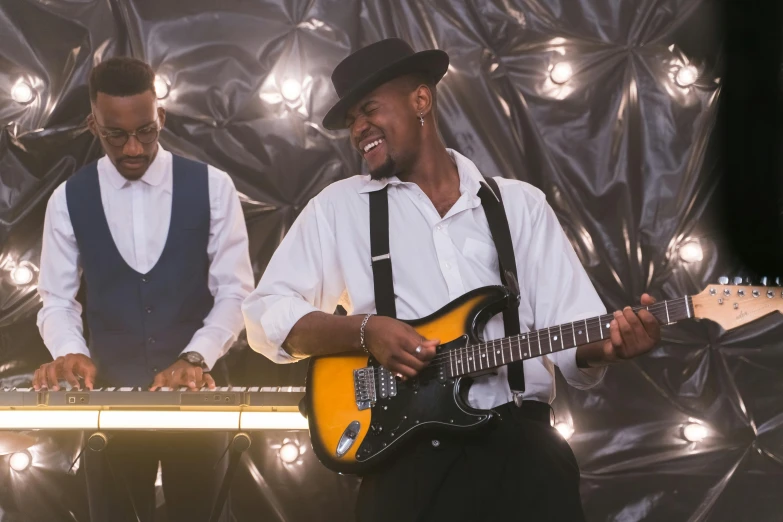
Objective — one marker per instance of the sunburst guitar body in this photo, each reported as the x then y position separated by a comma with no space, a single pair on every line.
360,414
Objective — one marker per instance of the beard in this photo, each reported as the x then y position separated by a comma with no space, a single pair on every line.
387,170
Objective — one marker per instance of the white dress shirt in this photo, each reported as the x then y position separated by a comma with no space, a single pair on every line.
325,260
138,213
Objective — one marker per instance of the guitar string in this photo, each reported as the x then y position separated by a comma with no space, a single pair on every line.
675,306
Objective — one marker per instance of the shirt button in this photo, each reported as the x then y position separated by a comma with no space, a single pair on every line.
438,227
447,266
151,340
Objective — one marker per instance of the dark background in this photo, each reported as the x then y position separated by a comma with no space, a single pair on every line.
626,157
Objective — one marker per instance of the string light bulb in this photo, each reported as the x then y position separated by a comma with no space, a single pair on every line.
20,461
22,92
22,275
162,87
561,72
289,452
565,429
291,89
686,76
691,251
695,432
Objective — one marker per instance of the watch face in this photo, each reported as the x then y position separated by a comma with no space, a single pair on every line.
194,358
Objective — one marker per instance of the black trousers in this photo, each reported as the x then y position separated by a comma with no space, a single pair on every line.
125,472
520,469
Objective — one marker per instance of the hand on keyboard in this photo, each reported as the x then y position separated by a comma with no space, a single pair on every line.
182,373
71,368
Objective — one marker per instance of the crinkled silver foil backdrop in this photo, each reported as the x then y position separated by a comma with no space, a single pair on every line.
621,150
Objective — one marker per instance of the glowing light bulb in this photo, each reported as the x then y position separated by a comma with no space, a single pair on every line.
691,251
291,89
561,72
22,275
686,76
162,87
22,92
565,429
289,452
695,432
20,461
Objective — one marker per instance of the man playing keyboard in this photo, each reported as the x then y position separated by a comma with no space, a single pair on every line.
160,243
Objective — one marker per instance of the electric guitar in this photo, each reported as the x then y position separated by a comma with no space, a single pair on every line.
359,413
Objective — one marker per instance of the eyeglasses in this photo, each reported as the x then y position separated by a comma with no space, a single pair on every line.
118,138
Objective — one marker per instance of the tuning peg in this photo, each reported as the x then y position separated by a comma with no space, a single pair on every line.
764,281
737,280
723,280
777,281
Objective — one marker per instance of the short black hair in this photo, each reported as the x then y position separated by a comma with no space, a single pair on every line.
121,76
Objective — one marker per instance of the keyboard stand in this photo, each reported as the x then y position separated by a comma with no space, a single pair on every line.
237,447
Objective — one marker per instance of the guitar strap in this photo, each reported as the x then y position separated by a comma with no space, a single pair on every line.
492,203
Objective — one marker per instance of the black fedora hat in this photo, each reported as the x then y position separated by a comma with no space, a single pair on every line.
374,65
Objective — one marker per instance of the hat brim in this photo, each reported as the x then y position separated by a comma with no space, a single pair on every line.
434,63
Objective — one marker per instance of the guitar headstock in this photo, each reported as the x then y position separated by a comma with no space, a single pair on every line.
732,306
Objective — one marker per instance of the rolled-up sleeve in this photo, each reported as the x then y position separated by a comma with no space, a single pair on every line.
294,284
562,291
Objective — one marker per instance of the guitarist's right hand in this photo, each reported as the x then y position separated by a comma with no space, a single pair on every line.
394,344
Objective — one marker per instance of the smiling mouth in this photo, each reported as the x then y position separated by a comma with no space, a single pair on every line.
372,145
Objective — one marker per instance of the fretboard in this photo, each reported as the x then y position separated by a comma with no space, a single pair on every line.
492,354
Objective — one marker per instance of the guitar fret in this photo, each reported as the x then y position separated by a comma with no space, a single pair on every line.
687,309
519,346
503,352
451,362
601,327
573,332
587,331
481,358
549,331
561,337
666,305
538,337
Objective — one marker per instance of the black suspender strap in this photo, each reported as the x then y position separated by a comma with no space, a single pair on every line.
379,250
492,203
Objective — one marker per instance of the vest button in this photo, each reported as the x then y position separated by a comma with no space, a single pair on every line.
154,370
144,280
148,309
151,340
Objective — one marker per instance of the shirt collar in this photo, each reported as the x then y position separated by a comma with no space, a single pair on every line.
470,179
154,176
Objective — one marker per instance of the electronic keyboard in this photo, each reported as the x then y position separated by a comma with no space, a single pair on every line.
224,408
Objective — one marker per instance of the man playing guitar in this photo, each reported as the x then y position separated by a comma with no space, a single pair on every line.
440,246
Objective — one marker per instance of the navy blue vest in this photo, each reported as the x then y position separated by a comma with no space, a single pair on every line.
139,323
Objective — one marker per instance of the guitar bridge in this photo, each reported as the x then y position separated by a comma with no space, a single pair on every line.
364,387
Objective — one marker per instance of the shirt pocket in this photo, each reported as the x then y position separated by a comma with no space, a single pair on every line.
480,254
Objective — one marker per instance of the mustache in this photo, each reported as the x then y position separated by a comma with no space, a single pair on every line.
133,158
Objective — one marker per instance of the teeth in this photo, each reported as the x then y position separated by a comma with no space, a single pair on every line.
370,146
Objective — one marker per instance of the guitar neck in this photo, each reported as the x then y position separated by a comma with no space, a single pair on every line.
499,352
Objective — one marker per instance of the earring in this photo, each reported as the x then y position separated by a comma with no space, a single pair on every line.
421,119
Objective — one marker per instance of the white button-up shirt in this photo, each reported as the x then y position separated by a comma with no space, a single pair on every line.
138,213
325,260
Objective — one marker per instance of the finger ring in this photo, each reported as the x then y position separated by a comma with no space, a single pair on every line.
418,349
399,375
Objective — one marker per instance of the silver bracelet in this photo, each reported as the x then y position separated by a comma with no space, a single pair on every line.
361,332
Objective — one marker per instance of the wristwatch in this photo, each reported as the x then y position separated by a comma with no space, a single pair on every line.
194,358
